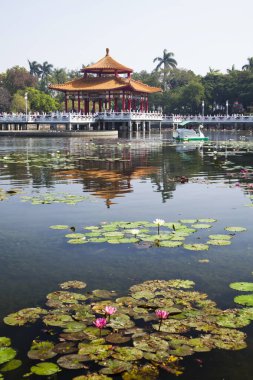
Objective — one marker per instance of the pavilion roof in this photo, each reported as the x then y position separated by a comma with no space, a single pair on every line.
104,84
107,65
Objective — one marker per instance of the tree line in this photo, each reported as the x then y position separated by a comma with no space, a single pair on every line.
183,90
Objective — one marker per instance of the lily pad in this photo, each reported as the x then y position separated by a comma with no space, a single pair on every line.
246,300
65,348
196,247
45,369
242,286
75,236
41,350
4,341
73,284
188,221
59,227
116,338
127,354
170,244
218,242
201,226
77,241
146,372
92,376
74,361
6,354
235,229
220,237
113,366
11,365
24,316
207,220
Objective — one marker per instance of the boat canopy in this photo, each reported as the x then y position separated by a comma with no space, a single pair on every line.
185,122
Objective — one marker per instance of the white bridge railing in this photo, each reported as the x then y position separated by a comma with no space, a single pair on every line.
75,118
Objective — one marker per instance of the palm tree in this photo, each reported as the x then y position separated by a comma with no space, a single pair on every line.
35,68
46,69
249,65
213,71
229,71
168,62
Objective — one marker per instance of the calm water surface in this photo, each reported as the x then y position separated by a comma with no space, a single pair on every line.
143,183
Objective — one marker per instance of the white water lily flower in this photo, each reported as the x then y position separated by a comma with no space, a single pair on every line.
159,222
135,231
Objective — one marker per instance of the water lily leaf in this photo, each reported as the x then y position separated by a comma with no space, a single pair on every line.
143,294
170,244
24,316
120,321
41,350
4,341
146,372
97,240
66,297
196,247
220,237
150,343
156,357
203,261
242,286
182,350
11,365
207,220
6,354
219,242
75,336
116,338
201,225
188,221
65,348
75,236
100,293
74,361
77,241
233,319
95,351
92,376
127,354
59,227
74,327
235,229
113,366
45,369
73,284
180,284
128,240
59,320
172,326
93,234
246,300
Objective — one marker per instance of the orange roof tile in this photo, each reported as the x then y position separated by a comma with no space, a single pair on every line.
107,65
104,84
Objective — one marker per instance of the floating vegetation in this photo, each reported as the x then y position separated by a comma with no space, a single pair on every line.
50,198
235,229
151,234
5,194
140,336
246,299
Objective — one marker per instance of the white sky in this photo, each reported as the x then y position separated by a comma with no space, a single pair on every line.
69,33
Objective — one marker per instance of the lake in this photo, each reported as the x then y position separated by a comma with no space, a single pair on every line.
82,183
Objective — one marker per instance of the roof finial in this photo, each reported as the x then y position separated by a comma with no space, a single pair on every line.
107,51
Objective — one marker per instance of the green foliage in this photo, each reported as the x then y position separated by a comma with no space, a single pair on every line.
18,103
18,78
39,101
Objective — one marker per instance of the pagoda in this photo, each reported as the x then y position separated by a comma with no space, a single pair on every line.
105,86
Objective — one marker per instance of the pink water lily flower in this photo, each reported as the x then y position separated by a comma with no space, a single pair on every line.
100,323
110,310
161,314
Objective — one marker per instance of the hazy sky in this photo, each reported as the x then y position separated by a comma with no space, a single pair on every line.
69,33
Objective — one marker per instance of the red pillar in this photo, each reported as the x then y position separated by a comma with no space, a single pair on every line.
129,104
73,104
66,103
86,106
123,102
134,104
100,105
146,103
93,106
110,105
116,104
79,106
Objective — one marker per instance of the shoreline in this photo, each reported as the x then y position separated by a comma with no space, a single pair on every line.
92,134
